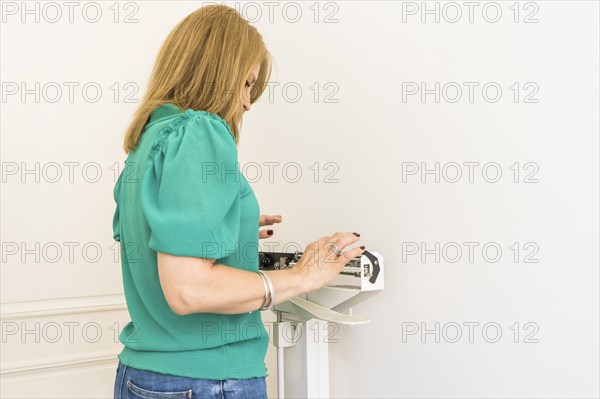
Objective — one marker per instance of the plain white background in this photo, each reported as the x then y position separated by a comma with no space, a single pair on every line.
352,108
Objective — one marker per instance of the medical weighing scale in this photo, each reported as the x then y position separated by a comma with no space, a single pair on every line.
302,319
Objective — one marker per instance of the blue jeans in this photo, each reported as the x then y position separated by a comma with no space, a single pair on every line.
131,383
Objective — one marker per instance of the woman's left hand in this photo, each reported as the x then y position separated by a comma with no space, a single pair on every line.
268,220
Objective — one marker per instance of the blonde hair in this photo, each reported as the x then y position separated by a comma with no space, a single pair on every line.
203,65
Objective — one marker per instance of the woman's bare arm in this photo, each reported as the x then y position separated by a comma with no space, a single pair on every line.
198,285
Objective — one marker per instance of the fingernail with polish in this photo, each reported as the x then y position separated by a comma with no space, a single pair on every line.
356,234
362,247
269,232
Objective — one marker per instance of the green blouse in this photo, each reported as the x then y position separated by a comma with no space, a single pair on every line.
181,192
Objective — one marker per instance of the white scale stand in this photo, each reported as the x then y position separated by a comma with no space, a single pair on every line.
300,332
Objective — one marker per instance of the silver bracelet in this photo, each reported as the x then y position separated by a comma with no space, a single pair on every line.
271,289
266,302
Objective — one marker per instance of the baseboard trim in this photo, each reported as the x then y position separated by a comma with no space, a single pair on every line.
62,306
65,364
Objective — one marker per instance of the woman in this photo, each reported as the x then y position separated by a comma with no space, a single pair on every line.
188,223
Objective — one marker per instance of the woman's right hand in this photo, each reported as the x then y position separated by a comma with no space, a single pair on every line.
318,265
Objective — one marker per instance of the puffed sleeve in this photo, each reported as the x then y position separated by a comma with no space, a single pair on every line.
190,193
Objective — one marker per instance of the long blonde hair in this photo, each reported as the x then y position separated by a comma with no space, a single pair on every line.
204,64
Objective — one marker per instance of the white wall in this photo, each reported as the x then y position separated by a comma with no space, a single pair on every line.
363,64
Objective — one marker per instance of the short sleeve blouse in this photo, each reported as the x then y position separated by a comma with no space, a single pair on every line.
181,192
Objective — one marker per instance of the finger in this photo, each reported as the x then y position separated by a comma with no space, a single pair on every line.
343,239
264,234
323,245
268,220
350,254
